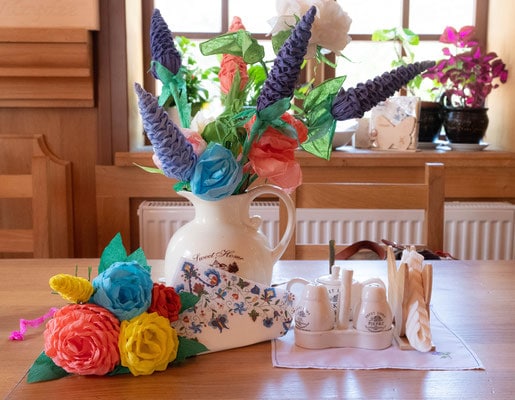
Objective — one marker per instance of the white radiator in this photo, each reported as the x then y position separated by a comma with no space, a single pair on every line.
473,230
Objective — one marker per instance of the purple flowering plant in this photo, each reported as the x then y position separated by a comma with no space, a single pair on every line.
259,129
467,74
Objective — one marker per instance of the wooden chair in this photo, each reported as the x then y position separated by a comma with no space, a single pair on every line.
35,199
427,195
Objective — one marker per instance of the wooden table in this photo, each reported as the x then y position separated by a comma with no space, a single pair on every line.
474,298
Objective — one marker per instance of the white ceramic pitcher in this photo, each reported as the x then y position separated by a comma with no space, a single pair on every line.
223,235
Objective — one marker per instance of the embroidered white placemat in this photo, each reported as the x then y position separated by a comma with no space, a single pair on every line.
451,353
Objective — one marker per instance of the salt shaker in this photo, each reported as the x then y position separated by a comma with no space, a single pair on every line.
374,313
315,312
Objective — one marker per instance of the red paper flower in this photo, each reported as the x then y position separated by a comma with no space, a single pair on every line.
165,301
83,339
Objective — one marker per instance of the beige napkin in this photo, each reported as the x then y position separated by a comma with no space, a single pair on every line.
452,353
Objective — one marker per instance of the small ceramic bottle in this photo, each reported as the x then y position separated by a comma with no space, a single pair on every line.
315,312
374,313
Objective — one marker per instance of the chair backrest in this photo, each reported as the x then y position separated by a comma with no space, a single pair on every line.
35,199
428,196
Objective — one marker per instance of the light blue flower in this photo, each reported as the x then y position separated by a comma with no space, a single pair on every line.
125,289
217,174
239,308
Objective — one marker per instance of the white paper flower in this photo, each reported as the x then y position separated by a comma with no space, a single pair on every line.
329,31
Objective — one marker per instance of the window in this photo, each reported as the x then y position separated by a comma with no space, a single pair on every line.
365,59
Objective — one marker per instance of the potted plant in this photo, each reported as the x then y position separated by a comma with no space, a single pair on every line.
468,75
430,122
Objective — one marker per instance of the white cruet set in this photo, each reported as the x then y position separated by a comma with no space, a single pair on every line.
326,308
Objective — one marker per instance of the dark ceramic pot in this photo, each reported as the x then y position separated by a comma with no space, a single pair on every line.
465,125
430,122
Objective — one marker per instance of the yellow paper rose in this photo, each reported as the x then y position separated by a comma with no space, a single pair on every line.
147,343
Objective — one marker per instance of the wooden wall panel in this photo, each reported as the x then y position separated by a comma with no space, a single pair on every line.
46,68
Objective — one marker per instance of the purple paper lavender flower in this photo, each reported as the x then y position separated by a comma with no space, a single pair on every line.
176,154
162,46
281,80
354,102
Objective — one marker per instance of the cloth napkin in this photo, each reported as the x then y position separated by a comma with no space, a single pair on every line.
451,353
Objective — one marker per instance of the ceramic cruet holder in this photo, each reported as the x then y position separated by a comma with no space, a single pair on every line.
343,333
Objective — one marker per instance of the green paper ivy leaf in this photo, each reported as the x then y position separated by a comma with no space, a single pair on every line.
188,348
322,146
323,94
321,123
44,369
188,300
240,43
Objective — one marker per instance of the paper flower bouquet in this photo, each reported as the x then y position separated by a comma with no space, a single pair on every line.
122,322
118,323
259,130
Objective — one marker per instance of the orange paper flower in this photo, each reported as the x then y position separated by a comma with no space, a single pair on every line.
83,339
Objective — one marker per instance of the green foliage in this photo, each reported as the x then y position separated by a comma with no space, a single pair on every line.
404,41
194,75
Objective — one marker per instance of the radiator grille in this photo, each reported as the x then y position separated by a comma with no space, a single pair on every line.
473,230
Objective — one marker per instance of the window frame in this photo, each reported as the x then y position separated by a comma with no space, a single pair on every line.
481,22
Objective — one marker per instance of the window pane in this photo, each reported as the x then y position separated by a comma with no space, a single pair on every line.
254,15
367,59
184,16
369,15
427,16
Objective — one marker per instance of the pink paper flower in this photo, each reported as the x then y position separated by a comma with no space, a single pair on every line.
195,139
273,155
83,339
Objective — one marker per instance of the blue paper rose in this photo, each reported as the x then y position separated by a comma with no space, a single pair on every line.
217,173
125,289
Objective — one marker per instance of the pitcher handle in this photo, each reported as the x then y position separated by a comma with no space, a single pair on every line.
280,248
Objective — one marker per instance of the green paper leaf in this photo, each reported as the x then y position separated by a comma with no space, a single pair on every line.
188,300
174,86
240,43
321,123
323,93
139,256
323,144
114,252
275,110
270,115
44,369
188,348
181,185
152,170
279,38
118,370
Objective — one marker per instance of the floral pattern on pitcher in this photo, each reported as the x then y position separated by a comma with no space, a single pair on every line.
228,304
